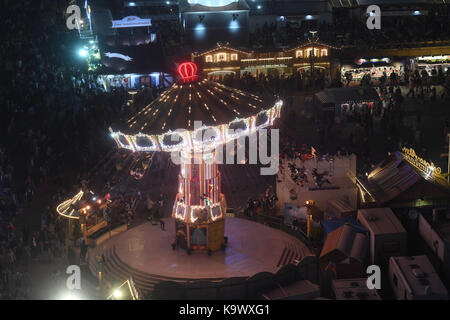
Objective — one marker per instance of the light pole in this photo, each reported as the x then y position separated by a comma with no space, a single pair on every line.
312,39
311,57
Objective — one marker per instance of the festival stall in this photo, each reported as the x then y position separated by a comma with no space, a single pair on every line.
405,180
88,208
344,100
428,63
353,72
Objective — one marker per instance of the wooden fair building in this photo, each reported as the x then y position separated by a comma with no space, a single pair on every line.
223,59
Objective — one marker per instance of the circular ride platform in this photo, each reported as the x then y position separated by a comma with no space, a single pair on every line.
146,253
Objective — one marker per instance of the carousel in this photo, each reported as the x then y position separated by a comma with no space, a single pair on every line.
193,119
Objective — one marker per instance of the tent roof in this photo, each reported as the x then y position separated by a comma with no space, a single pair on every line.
348,95
343,243
394,176
333,224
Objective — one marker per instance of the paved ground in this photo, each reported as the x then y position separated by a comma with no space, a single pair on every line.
48,280
252,247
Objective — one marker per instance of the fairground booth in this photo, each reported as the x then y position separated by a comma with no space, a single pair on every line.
432,64
353,72
401,59
88,209
405,180
124,46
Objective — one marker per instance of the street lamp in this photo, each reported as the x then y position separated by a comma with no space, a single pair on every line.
83,53
313,40
309,204
117,294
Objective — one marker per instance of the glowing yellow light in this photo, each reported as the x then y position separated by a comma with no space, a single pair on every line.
117,294
63,208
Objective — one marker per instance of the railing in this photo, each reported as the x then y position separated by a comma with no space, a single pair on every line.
278,223
99,224
253,287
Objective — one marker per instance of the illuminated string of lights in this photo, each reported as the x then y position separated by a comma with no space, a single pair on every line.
157,143
221,47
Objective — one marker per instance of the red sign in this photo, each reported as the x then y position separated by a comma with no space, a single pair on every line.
187,71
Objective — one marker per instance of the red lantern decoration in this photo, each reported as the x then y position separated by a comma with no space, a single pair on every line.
187,71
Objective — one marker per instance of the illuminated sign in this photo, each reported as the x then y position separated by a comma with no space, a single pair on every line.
118,55
131,22
212,3
373,60
428,169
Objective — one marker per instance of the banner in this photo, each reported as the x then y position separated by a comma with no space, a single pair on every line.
131,22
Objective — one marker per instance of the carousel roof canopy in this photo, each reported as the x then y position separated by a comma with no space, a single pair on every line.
196,114
207,101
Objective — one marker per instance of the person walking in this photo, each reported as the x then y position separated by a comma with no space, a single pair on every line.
162,224
83,251
149,206
411,86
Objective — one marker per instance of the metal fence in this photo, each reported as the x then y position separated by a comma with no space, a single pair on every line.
241,288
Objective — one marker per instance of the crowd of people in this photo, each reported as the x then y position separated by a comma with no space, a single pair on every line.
422,83
53,128
279,84
55,119
22,246
264,204
347,30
